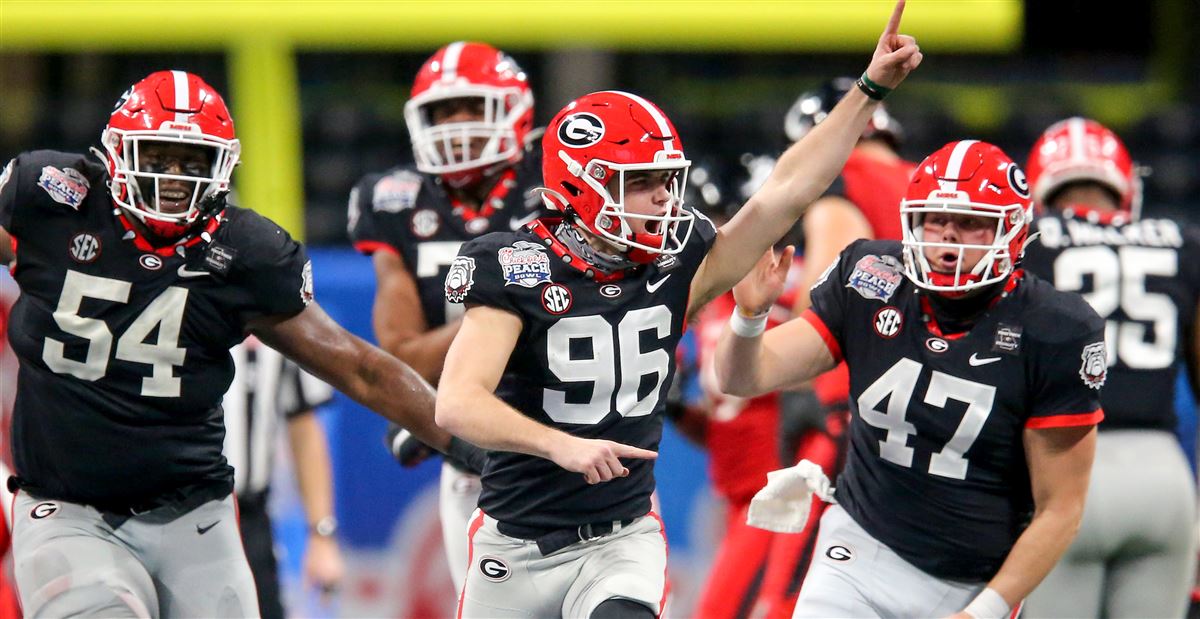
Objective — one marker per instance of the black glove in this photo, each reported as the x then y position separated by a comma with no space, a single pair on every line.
406,448
465,456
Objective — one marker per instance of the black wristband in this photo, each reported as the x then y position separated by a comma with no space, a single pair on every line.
469,457
871,89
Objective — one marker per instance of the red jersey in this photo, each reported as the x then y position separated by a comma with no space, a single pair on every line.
742,435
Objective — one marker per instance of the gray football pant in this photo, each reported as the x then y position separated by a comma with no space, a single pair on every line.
510,579
852,574
458,497
1135,554
70,562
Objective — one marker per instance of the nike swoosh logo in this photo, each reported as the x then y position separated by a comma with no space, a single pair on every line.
517,222
653,286
976,361
202,530
184,272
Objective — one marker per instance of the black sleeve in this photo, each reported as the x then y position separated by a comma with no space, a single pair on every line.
1069,373
829,293
361,222
475,276
8,195
275,268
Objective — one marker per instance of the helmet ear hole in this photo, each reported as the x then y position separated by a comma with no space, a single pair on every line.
572,189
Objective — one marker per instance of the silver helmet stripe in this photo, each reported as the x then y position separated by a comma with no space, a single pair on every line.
450,61
1076,132
182,96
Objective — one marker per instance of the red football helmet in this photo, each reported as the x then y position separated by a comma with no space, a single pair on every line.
464,70
966,178
607,133
1079,149
168,107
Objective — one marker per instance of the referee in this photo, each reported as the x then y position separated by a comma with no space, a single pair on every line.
267,391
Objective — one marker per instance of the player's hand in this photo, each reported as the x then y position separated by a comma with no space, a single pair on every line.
598,460
761,287
896,55
323,566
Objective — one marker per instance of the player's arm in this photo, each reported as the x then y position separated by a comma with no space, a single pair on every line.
323,564
749,364
1060,464
830,224
6,253
399,322
802,173
468,407
367,374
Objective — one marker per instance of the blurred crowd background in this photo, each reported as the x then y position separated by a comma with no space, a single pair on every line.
1132,66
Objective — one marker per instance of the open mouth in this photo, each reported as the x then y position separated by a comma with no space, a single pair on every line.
174,199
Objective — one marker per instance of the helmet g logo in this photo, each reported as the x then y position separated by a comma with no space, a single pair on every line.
1016,179
580,130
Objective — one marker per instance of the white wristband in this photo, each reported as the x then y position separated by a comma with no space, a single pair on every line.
988,605
747,327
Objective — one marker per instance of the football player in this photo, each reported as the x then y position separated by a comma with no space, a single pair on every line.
565,350
470,119
136,279
1135,552
974,391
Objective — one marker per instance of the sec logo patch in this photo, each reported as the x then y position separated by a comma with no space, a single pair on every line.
887,322
556,298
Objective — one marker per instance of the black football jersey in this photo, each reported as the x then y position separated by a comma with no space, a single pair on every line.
595,359
411,214
1143,278
124,349
936,466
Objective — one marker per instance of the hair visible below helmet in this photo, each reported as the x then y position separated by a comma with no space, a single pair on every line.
814,105
612,133
966,178
463,70
171,107
1082,150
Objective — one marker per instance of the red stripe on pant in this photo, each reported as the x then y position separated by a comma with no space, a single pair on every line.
662,528
475,525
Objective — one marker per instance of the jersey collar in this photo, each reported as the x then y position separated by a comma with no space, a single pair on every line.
143,243
543,229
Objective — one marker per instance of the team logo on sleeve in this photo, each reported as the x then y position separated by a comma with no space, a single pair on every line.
396,192
66,186
460,278
888,321
825,274
1095,365
876,277
524,264
306,283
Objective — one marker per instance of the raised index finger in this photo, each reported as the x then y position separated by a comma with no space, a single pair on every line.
893,26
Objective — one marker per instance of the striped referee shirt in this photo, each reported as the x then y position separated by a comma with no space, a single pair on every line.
267,390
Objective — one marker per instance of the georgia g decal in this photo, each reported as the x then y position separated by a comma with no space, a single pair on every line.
580,130
494,569
43,510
